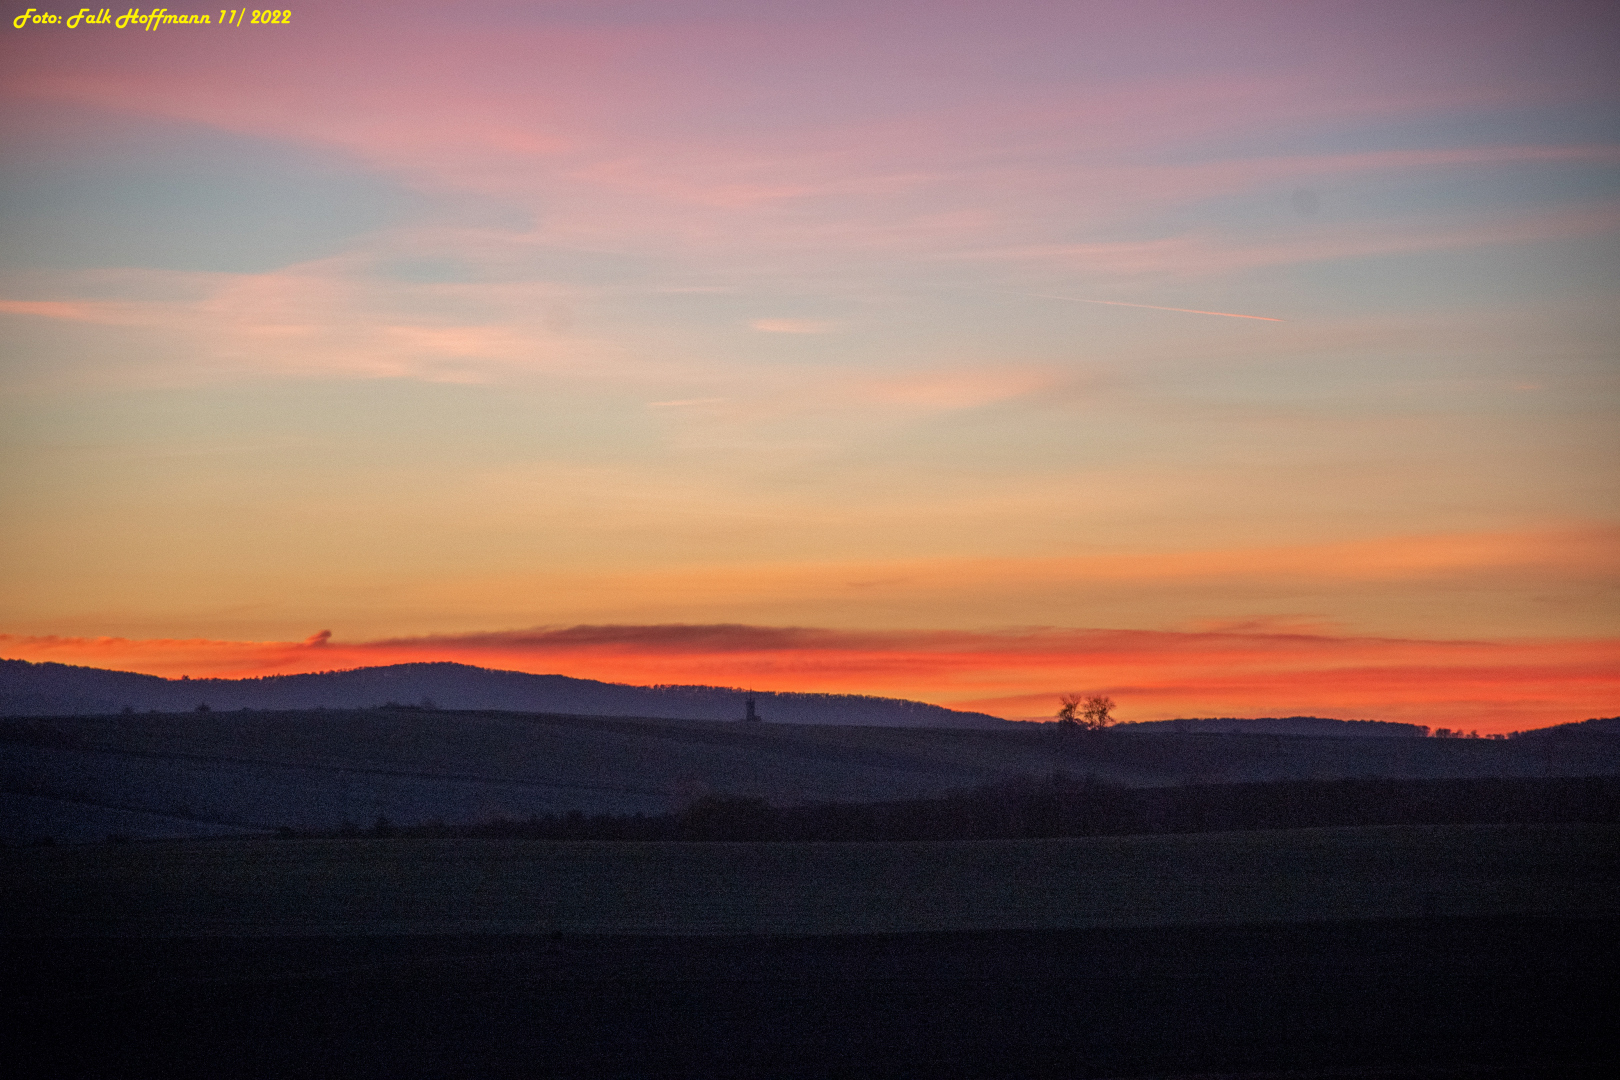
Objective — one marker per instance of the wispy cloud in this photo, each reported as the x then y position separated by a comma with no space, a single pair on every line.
333,318
682,403
110,314
1158,307
1207,252
956,389
794,326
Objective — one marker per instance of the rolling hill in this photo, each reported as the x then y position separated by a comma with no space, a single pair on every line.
1280,725
61,690
219,772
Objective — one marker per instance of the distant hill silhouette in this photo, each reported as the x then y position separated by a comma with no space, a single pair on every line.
1279,725
48,689
1602,725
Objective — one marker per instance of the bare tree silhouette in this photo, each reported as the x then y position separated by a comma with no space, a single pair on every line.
1091,713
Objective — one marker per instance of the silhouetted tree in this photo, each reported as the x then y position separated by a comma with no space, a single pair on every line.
1067,714
1091,713
1098,712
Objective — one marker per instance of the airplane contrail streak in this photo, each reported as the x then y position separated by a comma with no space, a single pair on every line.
1156,307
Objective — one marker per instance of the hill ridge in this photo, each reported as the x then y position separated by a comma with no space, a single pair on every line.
1280,725
45,689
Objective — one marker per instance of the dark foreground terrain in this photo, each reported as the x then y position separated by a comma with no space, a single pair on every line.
85,778
1437,951
1438,997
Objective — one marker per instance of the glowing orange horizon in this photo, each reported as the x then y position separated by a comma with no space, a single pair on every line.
1492,686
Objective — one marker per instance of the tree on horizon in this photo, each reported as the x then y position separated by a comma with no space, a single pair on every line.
1091,713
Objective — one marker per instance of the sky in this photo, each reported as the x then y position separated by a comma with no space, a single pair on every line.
1229,359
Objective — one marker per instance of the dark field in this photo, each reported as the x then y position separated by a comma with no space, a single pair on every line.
348,887
1439,950
1441,997
1451,951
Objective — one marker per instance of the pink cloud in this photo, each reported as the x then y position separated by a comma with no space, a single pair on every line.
655,131
82,311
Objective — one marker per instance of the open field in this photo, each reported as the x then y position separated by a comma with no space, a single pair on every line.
1450,952
83,778
1438,999
357,887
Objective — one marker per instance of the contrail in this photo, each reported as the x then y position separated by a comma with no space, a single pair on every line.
1156,307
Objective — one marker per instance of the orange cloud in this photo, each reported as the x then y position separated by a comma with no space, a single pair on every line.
56,309
1488,685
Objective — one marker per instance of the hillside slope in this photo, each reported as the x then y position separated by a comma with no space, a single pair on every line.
198,773
1280,725
60,690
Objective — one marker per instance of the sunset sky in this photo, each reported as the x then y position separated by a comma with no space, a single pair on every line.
1231,359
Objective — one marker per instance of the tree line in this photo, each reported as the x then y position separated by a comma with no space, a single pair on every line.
1060,805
